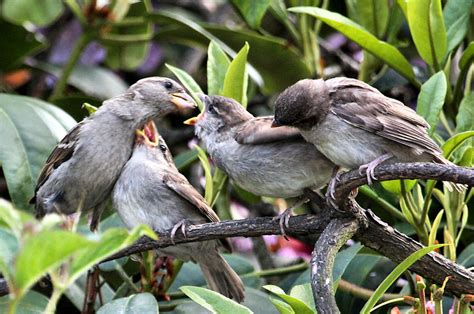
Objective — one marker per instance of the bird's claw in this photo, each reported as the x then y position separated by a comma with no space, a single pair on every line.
369,168
180,225
284,221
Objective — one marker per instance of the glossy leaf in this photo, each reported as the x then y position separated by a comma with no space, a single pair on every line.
390,279
466,258
29,129
467,57
395,186
236,78
39,13
129,56
142,303
10,217
214,301
32,303
189,83
95,81
282,306
9,245
185,159
19,43
252,11
388,53
431,99
372,15
111,241
41,253
426,22
291,67
304,293
297,305
217,65
434,227
455,142
209,192
456,18
465,116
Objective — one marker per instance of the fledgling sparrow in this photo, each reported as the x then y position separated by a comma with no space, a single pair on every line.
83,168
355,125
260,159
150,190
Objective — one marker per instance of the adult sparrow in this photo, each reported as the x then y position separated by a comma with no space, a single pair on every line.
81,171
355,125
150,190
260,159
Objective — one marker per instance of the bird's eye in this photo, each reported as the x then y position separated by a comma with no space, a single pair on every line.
162,147
211,109
168,84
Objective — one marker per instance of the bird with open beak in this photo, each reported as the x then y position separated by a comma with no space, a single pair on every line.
264,161
355,125
151,191
82,169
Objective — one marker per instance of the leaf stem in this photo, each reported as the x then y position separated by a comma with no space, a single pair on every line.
53,300
278,271
81,43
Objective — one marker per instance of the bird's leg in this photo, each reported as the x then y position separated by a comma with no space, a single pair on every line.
180,225
284,217
369,168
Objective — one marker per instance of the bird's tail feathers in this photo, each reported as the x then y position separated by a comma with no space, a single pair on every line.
221,278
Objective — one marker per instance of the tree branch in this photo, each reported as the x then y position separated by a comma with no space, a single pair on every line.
322,262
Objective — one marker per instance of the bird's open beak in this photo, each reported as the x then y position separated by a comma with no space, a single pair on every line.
183,101
275,124
194,120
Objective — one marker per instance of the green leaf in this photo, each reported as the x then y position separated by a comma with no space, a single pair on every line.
29,129
44,252
372,15
142,303
9,248
388,53
252,11
10,217
19,43
456,18
465,116
36,12
209,192
451,145
291,66
282,307
304,293
95,81
189,83
466,258
111,241
431,99
32,303
130,55
214,301
467,57
342,260
185,159
390,279
434,227
297,305
395,186
217,65
236,78
426,22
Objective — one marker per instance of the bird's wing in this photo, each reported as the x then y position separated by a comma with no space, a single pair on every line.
181,186
366,108
61,153
259,131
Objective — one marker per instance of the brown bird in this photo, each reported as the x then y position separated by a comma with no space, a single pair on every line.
150,190
354,125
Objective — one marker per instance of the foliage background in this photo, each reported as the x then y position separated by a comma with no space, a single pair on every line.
58,55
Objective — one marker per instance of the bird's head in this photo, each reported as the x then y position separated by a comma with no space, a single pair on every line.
302,105
219,113
160,95
154,144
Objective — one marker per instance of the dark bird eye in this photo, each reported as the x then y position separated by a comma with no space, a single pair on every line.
168,84
211,109
163,148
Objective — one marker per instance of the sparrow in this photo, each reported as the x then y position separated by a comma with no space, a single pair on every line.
260,159
150,190
355,125
82,169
